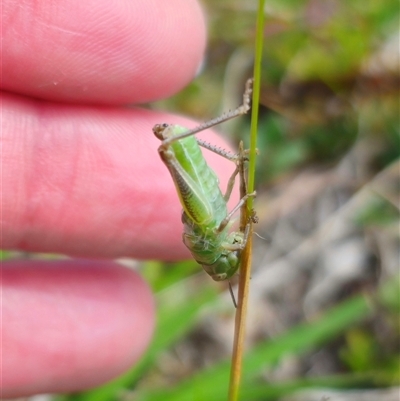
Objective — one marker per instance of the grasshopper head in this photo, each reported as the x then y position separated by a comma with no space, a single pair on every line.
161,131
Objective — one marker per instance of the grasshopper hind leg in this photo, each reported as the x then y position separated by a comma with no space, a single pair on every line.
242,109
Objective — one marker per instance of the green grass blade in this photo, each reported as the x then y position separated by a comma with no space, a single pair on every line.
256,98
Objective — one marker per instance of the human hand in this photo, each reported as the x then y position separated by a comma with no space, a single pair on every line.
81,176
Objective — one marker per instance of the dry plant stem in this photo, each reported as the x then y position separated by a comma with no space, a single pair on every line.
243,292
240,320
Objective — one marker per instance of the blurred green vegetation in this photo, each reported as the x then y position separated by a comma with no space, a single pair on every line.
178,314
330,84
330,75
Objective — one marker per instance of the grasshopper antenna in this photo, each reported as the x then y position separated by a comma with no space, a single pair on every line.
232,294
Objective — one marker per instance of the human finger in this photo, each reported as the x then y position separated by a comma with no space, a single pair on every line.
99,51
70,325
88,181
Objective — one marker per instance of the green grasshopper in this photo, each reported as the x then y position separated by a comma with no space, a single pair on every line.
205,216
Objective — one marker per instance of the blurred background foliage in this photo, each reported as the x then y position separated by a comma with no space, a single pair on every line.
328,202
324,311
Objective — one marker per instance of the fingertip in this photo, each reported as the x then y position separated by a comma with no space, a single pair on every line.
125,52
70,325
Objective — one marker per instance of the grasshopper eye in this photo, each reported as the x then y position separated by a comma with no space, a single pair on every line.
159,130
